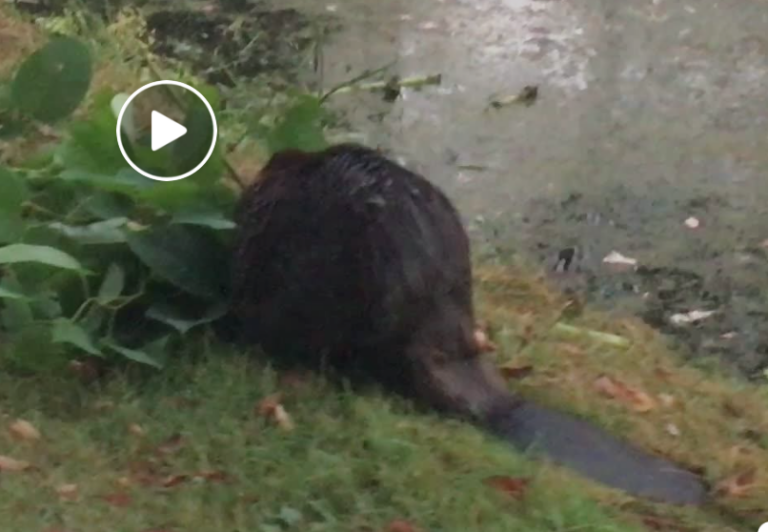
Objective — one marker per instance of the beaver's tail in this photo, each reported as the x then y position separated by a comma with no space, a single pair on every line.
594,453
473,388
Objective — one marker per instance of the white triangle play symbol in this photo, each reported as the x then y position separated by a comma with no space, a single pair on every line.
165,130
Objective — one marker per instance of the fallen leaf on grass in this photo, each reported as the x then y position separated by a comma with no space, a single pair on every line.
143,472
213,476
667,400
637,399
664,525
172,445
120,499
173,480
24,430
87,370
484,343
515,372
11,464
399,525
570,349
67,492
514,486
271,408
737,485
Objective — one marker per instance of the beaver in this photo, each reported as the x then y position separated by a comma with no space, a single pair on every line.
344,258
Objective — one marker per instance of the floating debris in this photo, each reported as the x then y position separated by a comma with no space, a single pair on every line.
614,257
691,317
692,222
527,96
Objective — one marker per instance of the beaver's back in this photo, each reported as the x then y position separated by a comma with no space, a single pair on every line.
344,251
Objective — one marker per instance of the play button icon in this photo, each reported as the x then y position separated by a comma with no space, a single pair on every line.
164,135
165,130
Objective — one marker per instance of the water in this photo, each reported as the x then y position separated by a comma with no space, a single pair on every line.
649,112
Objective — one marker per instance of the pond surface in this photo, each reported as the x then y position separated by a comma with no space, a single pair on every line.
649,113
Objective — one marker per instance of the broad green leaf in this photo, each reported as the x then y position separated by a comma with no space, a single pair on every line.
126,181
209,218
91,144
173,196
189,150
52,82
187,258
13,192
181,320
106,205
158,349
32,348
16,313
300,128
66,332
113,284
46,305
135,355
16,253
104,232
7,293
11,228
128,125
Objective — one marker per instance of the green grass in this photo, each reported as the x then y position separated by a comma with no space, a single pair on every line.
353,462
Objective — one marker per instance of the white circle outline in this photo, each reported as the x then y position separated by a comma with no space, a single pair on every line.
193,91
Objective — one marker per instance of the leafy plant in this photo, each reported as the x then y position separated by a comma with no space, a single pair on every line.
97,260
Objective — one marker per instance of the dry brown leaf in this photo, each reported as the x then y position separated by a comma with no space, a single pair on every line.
11,464
271,408
119,499
400,525
514,486
570,349
667,400
67,492
213,476
515,372
136,429
637,399
172,445
173,480
24,430
660,524
738,485
86,370
484,343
